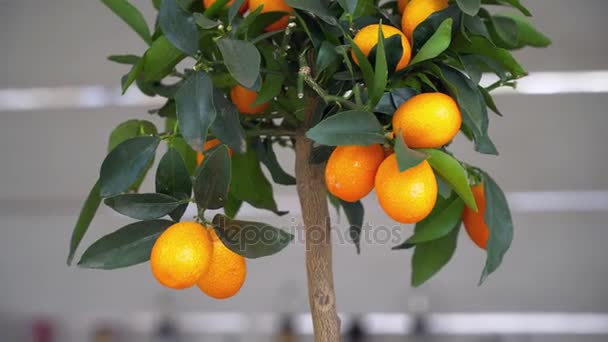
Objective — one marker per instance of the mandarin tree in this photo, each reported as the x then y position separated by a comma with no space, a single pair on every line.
369,94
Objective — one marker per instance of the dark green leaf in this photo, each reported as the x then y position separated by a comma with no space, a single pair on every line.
320,154
498,219
232,205
527,33
89,208
489,100
273,82
205,22
348,128
269,158
376,89
366,67
354,214
178,26
173,179
514,3
125,164
124,59
143,206
133,74
385,105
213,179
406,157
186,152
250,239
316,7
400,95
430,25
481,46
242,60
436,44
249,183
195,108
503,31
234,9
452,173
130,129
131,16
227,125
430,257
326,56
128,246
470,7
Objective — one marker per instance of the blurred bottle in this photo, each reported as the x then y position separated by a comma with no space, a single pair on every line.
356,333
418,307
104,333
42,331
167,329
286,331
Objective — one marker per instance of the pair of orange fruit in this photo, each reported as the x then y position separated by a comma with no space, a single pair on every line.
188,254
413,12
428,120
268,6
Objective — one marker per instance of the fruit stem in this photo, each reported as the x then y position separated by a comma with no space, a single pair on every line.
315,215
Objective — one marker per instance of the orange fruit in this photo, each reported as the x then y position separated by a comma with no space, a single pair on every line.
428,120
273,6
408,196
401,5
367,38
244,98
181,255
350,171
243,9
226,274
417,11
209,144
474,222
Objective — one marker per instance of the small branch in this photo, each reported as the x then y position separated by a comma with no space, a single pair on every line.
271,132
305,74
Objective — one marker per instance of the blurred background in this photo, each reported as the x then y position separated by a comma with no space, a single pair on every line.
59,100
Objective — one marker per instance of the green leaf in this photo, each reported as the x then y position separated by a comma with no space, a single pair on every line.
124,59
470,7
213,179
204,22
195,108
354,214
430,257
406,157
227,125
348,128
527,33
481,46
376,90
130,129
234,9
160,59
173,179
125,164
178,26
273,82
143,206
425,30
316,7
513,3
320,154
498,219
443,219
452,173
437,43
131,16
363,62
249,183
186,152
133,74
489,100
128,246
269,159
250,239
242,60
87,213
400,95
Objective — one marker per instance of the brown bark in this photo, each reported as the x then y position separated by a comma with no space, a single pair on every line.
315,213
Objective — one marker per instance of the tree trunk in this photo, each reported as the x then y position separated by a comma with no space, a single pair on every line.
315,213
